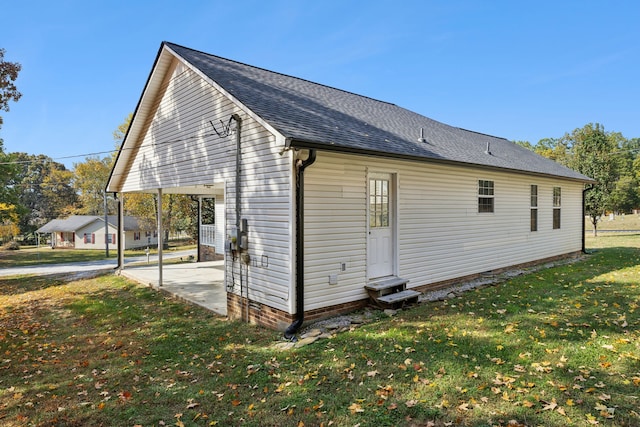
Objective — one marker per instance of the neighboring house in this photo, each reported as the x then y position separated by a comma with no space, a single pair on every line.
88,232
320,192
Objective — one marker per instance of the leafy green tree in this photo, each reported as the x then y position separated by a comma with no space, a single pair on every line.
45,190
595,153
525,144
555,149
144,207
178,213
625,195
90,180
630,152
121,131
8,75
10,208
60,197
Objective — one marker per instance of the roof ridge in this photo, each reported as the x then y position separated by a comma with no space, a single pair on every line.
280,73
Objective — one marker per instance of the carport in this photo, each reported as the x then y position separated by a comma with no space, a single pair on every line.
200,283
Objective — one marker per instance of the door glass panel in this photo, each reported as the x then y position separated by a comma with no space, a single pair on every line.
378,203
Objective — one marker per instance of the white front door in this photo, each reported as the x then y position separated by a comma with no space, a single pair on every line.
380,250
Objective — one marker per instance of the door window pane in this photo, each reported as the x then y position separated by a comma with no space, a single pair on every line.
378,203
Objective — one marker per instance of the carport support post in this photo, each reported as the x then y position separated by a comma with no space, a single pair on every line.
160,242
121,232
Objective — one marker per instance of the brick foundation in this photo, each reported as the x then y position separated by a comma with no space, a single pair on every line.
259,314
263,315
447,283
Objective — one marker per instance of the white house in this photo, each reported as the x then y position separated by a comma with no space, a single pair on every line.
321,193
88,232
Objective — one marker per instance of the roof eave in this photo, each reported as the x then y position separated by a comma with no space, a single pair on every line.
315,145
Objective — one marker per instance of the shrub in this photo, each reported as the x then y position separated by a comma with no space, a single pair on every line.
12,246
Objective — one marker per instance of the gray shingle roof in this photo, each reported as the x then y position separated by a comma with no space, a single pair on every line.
312,115
76,222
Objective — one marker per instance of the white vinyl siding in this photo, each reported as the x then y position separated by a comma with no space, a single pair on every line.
335,231
181,147
181,151
441,235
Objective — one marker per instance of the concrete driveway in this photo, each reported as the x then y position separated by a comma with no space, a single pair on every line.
77,267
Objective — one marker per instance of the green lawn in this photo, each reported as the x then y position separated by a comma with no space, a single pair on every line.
45,255
557,347
619,222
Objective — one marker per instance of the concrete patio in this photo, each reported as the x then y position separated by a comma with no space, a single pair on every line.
200,283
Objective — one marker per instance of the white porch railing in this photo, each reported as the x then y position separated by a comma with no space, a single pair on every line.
208,235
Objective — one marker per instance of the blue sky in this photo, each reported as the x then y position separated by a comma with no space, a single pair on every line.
519,70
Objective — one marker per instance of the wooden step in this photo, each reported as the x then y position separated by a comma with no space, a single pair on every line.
388,283
406,295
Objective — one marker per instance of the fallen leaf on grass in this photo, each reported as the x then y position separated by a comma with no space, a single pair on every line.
550,406
600,407
355,408
463,407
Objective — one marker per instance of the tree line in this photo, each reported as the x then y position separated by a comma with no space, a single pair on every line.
612,160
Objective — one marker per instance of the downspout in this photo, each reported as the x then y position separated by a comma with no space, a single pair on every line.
301,165
584,213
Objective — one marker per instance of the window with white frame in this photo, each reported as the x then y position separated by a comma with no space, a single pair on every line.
557,201
485,196
534,208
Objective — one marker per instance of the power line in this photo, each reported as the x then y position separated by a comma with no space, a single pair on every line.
188,138
22,162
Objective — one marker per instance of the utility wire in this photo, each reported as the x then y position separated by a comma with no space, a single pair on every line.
173,141
22,162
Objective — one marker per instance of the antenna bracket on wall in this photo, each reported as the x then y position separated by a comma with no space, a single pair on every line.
226,128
